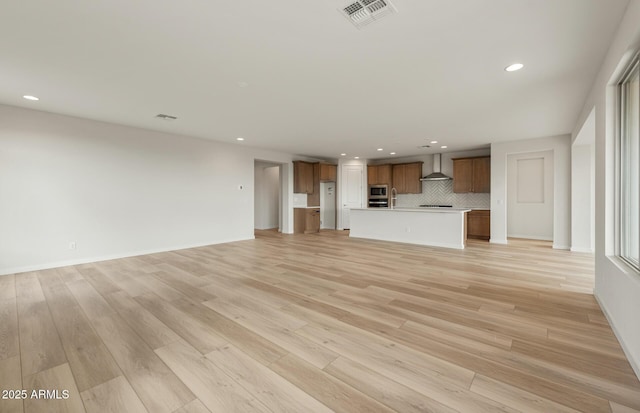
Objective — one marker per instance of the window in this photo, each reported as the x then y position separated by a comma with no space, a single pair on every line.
629,172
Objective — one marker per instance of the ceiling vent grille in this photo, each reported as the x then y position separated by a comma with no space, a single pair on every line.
363,12
165,117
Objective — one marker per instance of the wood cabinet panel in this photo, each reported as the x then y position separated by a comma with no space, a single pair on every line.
472,175
372,175
384,174
306,220
399,176
328,173
313,198
302,177
479,224
413,173
462,175
406,178
482,175
379,175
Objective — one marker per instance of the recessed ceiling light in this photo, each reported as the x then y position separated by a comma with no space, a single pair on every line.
356,157
434,141
392,153
380,149
343,154
243,84
239,139
29,97
444,147
514,67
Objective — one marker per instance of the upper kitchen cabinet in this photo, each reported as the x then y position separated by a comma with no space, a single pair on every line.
302,177
379,174
313,198
328,173
406,177
472,175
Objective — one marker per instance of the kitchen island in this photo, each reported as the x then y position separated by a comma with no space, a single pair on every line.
437,227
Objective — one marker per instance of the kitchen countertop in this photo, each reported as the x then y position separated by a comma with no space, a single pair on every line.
400,209
437,227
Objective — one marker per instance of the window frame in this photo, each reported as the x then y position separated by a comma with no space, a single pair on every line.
626,76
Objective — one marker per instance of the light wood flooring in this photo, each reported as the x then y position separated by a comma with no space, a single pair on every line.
316,323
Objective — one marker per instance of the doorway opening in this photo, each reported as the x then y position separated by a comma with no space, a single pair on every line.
267,211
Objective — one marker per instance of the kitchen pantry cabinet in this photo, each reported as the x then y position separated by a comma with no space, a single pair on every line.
306,220
313,198
472,174
379,175
328,173
406,178
479,224
302,177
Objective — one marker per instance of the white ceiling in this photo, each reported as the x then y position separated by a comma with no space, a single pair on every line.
317,86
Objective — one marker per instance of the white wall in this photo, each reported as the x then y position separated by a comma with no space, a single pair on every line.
583,186
582,198
561,147
617,288
267,195
117,191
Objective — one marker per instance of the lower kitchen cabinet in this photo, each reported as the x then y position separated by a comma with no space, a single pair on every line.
306,220
479,224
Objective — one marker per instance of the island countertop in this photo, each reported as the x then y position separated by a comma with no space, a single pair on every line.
415,209
437,227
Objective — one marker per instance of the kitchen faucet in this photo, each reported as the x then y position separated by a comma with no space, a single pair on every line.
394,197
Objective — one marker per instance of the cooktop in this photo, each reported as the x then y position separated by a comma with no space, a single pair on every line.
435,206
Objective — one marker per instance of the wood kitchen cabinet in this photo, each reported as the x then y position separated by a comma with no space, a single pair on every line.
472,175
379,175
302,177
406,177
306,220
313,198
328,173
479,224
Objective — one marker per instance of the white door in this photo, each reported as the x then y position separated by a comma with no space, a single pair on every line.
530,195
327,205
351,191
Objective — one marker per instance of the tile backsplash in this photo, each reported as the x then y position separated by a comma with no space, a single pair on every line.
441,193
299,200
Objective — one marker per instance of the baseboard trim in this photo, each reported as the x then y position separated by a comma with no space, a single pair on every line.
529,237
560,247
580,249
498,241
87,260
635,364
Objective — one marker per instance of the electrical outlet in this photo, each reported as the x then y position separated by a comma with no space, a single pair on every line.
72,245
408,229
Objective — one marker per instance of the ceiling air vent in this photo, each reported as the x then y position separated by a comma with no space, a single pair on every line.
165,117
363,12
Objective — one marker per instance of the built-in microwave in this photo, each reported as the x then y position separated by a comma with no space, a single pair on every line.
378,192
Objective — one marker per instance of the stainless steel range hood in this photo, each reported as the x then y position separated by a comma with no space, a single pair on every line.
436,175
